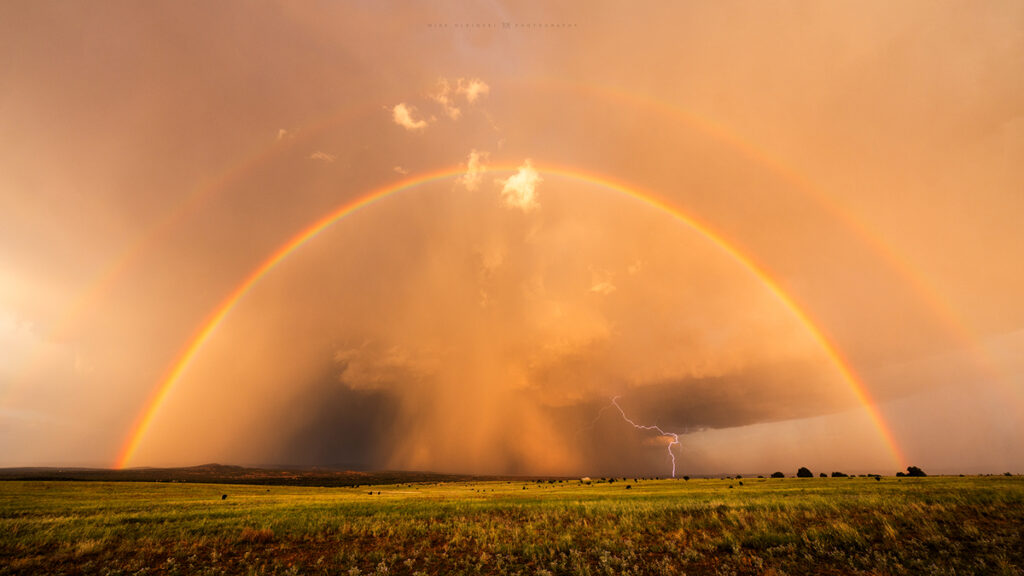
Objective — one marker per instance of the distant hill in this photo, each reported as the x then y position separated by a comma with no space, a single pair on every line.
223,474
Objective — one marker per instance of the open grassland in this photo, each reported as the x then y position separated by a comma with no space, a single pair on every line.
764,526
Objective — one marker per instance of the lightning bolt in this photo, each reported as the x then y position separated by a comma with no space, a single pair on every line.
597,418
672,435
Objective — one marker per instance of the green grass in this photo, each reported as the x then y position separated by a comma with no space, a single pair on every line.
790,526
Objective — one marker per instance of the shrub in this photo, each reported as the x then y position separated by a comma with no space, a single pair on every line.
803,472
915,472
778,475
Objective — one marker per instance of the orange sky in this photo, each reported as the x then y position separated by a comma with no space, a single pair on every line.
868,159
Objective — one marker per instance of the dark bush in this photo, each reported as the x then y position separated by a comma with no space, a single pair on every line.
778,475
839,475
803,472
915,472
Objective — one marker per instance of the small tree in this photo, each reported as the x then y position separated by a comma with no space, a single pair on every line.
778,475
803,472
823,475
839,475
915,472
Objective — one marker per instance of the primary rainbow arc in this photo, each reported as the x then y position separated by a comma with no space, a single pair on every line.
145,420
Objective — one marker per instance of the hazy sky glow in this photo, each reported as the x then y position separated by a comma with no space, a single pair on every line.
786,232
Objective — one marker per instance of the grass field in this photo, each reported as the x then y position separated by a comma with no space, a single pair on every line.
764,526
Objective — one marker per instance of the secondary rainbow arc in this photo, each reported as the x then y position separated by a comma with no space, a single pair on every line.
209,326
99,287
940,307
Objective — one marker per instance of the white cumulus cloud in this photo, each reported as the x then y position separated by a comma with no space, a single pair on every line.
520,189
402,114
601,282
322,156
469,88
472,88
444,97
475,169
